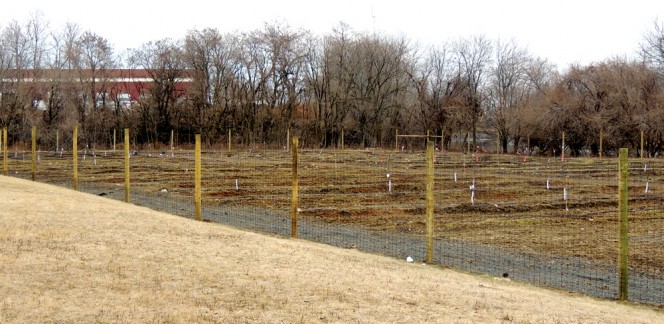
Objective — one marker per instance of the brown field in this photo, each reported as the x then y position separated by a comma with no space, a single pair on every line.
66,256
512,208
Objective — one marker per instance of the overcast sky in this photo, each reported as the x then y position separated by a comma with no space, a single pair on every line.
565,31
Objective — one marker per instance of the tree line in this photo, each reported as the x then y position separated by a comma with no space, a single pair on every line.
264,83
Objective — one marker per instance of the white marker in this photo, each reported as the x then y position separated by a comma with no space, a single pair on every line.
389,183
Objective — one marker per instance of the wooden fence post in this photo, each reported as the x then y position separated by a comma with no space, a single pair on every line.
430,204
74,145
34,152
172,148
642,144
114,136
4,151
229,139
468,142
295,198
342,139
562,152
623,227
288,140
442,140
197,178
601,141
396,140
127,196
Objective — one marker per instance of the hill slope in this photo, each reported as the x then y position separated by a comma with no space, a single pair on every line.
69,256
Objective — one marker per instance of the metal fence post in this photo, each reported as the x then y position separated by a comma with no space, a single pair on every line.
623,227
295,198
429,199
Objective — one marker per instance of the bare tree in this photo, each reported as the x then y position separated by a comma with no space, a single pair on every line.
18,100
37,30
433,81
381,77
652,47
330,80
92,57
164,62
508,89
286,55
473,57
212,59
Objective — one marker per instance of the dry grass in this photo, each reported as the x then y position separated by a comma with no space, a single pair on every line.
72,257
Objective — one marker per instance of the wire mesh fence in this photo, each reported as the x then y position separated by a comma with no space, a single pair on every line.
548,221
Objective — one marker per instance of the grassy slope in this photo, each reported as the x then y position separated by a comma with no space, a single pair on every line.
67,256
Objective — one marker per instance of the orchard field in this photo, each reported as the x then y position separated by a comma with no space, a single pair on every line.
546,206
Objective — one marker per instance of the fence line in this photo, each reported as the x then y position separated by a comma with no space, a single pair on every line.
546,221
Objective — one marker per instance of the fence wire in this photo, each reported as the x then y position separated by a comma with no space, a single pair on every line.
546,221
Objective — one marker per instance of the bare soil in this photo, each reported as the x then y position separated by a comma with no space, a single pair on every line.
513,207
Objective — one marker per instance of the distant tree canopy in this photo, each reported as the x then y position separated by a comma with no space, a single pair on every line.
263,83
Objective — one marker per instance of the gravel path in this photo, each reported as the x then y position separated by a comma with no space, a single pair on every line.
568,274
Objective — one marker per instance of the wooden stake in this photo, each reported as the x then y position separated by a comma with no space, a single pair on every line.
295,190
642,144
172,141
74,145
442,140
34,152
197,179
468,141
127,197
623,227
430,201
396,140
4,156
229,140
601,139
562,153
